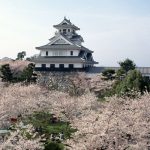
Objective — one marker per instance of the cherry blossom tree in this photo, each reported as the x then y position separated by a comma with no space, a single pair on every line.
117,123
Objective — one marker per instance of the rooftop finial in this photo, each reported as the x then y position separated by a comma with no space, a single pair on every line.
64,17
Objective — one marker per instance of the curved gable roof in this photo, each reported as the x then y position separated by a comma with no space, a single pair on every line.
66,24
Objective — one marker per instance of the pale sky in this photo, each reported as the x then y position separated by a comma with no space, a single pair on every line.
113,29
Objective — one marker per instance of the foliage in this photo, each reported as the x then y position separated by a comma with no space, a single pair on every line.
109,74
27,74
120,74
44,121
146,83
132,82
49,125
6,73
127,65
21,55
129,81
105,93
54,146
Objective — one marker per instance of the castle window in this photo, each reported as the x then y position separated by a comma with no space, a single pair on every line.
52,66
59,53
43,65
68,30
71,66
61,66
71,53
64,31
46,53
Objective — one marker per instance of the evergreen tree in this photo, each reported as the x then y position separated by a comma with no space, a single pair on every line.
132,82
6,73
28,75
127,65
21,55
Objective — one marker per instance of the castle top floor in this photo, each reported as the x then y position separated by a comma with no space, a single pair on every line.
66,27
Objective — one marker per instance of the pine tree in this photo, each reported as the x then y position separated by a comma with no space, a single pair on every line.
6,73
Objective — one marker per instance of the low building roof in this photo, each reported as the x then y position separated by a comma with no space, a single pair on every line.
143,70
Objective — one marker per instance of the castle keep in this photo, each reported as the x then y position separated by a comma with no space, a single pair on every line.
64,51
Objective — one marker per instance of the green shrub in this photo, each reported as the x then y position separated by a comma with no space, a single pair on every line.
132,82
42,120
146,83
48,124
109,74
127,65
6,73
21,55
54,146
120,74
27,74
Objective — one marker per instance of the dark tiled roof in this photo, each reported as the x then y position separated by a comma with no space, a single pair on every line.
67,25
76,37
58,47
58,59
61,60
86,49
63,47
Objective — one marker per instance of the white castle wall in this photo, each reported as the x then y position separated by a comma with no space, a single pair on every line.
59,53
66,65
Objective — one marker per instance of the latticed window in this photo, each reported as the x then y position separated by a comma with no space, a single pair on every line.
59,53
52,66
71,53
43,65
64,31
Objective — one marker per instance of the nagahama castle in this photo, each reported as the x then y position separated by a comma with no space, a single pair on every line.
64,51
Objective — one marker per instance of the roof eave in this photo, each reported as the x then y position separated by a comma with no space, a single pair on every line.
96,62
39,48
91,62
51,61
60,26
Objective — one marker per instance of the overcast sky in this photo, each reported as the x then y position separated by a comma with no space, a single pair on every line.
113,29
